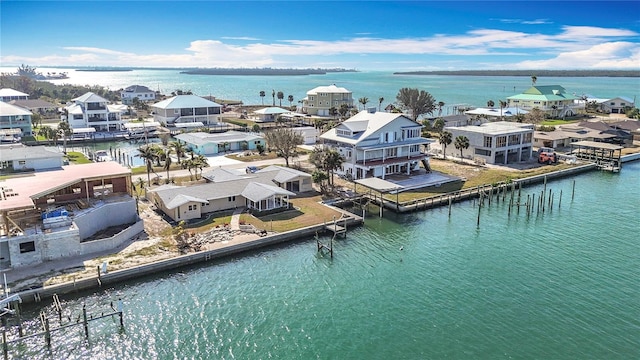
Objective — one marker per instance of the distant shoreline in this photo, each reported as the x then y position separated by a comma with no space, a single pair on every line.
537,73
262,71
101,70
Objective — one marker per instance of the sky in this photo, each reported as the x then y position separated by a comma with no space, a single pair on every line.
361,35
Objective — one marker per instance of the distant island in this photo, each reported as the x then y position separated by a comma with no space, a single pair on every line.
537,73
262,71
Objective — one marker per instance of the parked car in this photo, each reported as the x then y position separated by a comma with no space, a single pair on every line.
251,169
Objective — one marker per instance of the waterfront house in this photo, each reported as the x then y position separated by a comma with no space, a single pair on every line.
617,105
493,114
142,93
596,131
268,189
93,111
499,142
269,114
551,99
210,144
19,157
55,214
15,122
7,95
36,106
185,109
322,98
376,144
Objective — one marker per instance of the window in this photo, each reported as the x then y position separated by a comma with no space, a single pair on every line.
232,198
193,207
483,152
514,139
414,148
392,152
501,141
488,141
22,162
28,246
527,138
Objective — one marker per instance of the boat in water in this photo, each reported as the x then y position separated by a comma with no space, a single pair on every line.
101,156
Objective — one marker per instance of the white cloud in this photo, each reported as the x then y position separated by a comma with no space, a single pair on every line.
573,47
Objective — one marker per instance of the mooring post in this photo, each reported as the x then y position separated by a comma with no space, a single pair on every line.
120,312
560,199
449,206
5,346
479,207
84,321
573,189
47,332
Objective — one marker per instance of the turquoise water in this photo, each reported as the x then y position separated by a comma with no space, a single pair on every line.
562,284
452,90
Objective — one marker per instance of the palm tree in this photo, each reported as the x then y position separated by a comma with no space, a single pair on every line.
65,131
167,162
179,148
363,101
290,98
200,162
262,95
332,161
380,100
280,96
503,104
461,143
440,105
490,104
273,95
445,139
147,153
534,79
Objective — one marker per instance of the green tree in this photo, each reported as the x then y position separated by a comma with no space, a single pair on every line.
179,148
438,125
490,104
280,97
65,131
147,153
285,142
273,95
418,102
363,101
290,98
440,106
461,143
535,116
320,177
534,79
262,95
445,139
326,159
255,128
503,105
343,110
380,100
167,162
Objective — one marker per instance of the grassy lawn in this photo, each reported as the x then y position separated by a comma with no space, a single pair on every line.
77,158
308,211
254,156
556,122
473,176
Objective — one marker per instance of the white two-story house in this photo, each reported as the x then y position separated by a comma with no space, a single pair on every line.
499,142
183,109
376,144
322,98
93,111
142,93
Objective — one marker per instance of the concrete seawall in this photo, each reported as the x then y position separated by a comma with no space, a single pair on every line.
114,277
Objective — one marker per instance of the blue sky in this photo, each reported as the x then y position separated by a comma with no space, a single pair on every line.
365,35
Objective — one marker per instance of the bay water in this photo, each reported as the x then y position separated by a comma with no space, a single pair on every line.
558,284
454,91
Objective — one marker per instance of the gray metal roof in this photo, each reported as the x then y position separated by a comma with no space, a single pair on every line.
185,102
21,152
201,138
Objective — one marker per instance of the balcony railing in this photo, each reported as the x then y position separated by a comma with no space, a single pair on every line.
391,160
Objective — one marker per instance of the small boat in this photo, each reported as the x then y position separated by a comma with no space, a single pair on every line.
102,155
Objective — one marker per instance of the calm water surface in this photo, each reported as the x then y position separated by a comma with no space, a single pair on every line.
562,284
